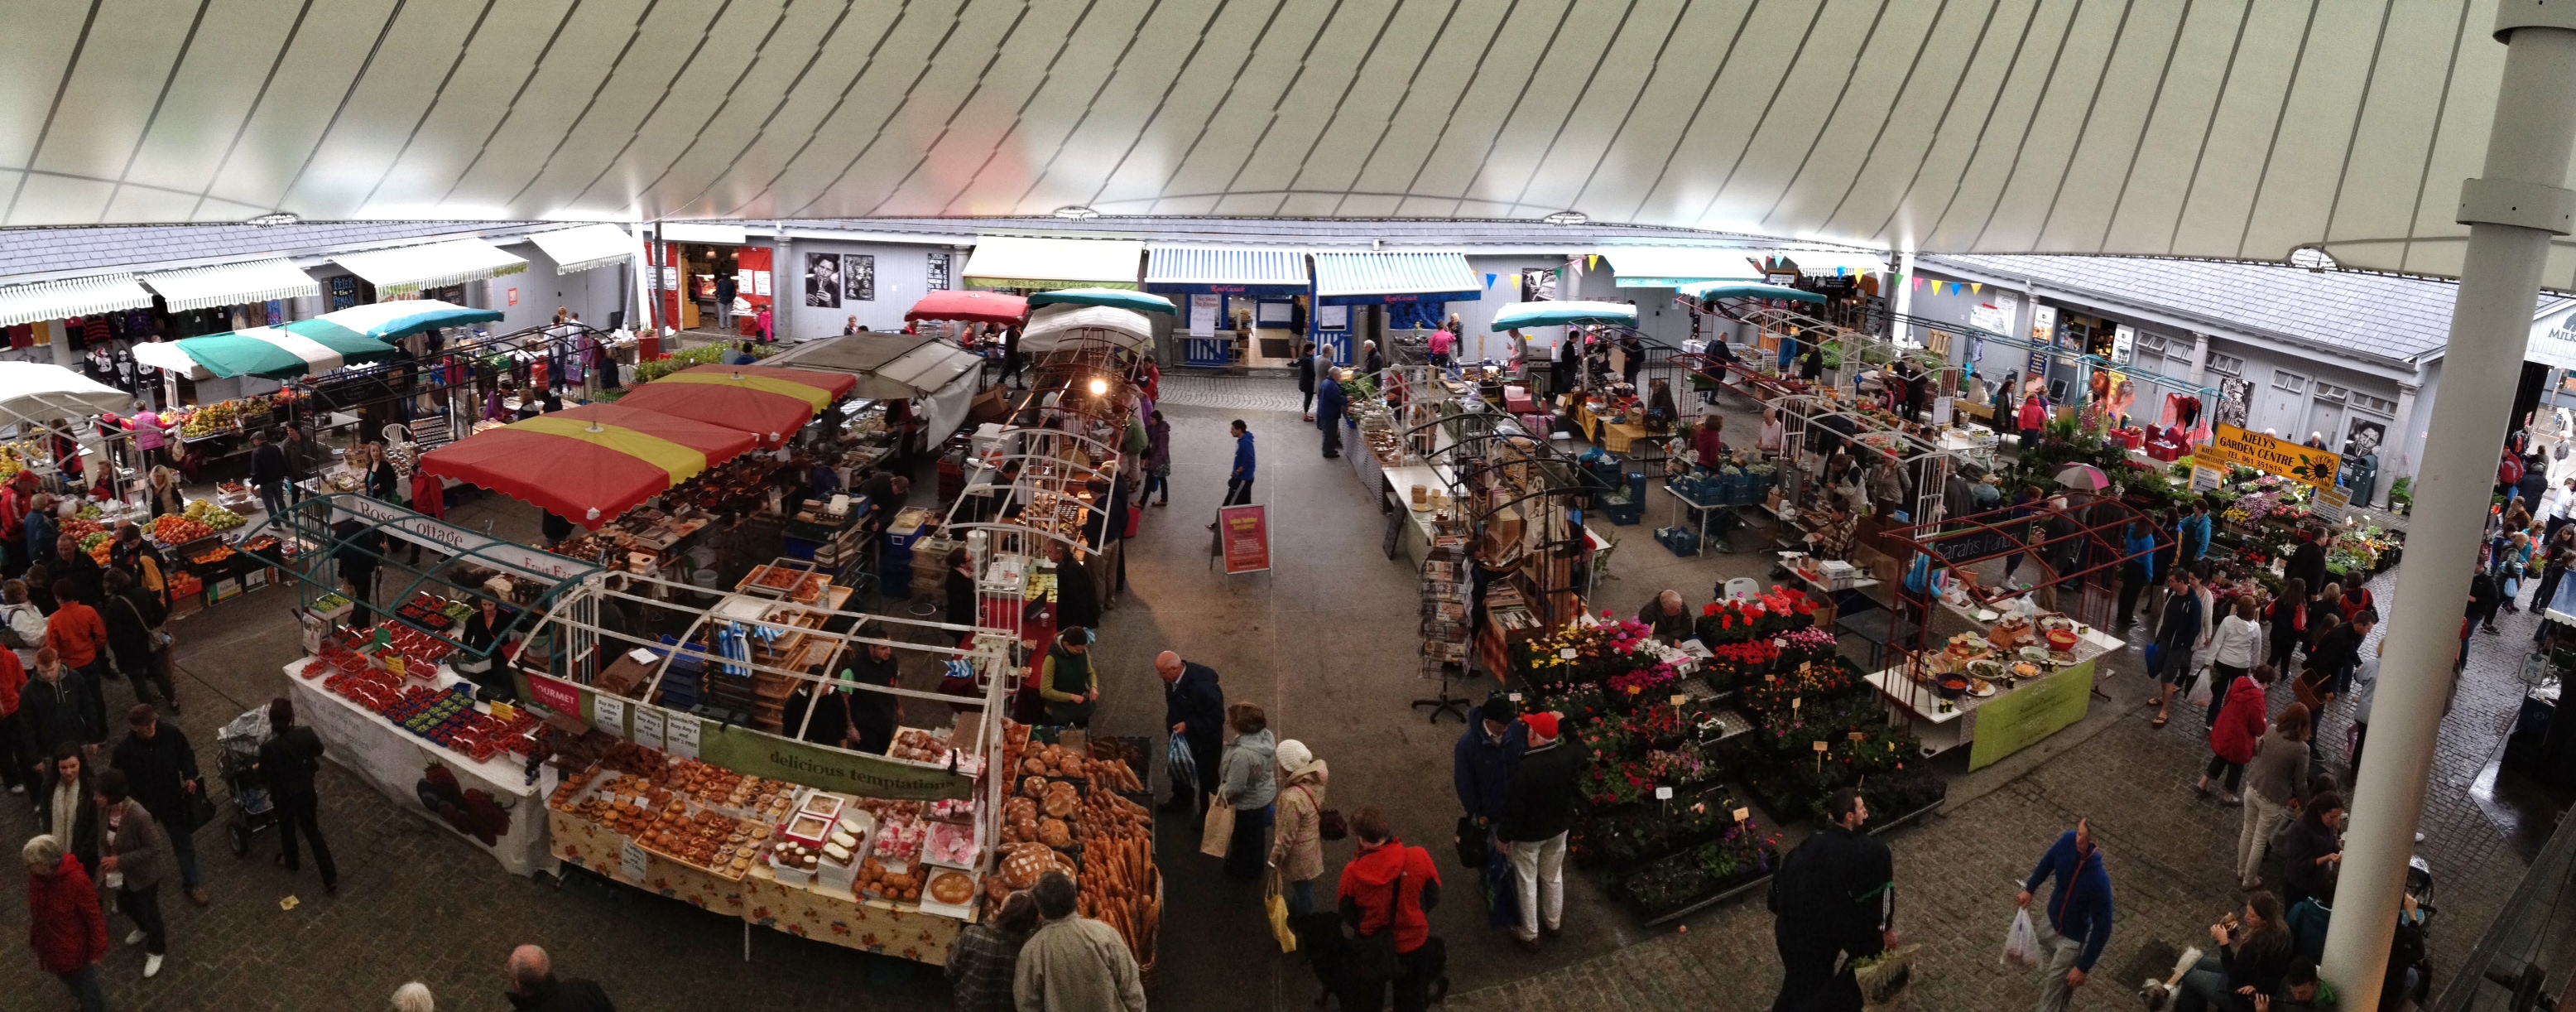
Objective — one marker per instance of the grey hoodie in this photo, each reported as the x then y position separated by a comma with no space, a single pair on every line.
1249,766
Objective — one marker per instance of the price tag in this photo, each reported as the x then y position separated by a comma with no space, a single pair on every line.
1817,745
1855,736
1794,701
1680,698
1742,814
1567,653
630,862
608,714
1663,794
649,727
1514,697
680,732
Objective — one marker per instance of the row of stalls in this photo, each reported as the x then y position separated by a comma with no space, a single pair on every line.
753,738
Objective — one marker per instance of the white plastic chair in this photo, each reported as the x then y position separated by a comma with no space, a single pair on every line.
1743,588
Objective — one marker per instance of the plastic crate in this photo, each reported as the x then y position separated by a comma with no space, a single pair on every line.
1623,511
1682,541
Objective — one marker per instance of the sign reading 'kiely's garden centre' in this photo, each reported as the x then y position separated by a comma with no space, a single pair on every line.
2274,455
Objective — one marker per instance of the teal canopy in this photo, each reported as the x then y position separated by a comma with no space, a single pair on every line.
1553,313
1119,298
1750,290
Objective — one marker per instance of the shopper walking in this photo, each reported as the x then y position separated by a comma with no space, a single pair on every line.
1077,598
2233,652
133,617
534,987
2137,569
2239,728
161,772
17,748
1073,963
79,639
2178,631
1391,888
289,758
1835,894
1538,811
64,923
1297,848
1158,462
268,473
987,955
1308,371
2288,618
2076,924
133,856
1330,404
73,563
2486,594
1194,706
2275,782
1248,779
1481,762
1238,480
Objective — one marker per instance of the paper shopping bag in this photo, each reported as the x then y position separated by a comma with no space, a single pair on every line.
1220,828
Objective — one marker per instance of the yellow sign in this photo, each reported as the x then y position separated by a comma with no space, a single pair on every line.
2020,718
2274,455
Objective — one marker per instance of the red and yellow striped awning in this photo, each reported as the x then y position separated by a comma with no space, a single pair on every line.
770,403
591,463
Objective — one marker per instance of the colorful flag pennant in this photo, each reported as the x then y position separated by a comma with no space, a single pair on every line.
1976,288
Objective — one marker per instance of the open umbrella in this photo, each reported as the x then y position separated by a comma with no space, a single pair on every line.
1749,290
1063,325
2083,478
1551,313
33,393
589,463
1122,298
972,307
769,403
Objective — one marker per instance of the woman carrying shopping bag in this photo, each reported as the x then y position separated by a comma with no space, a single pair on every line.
1298,850
1248,783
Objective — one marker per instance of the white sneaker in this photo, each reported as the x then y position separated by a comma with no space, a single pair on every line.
151,967
136,938
17,788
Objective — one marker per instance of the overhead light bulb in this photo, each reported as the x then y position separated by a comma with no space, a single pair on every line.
1099,387
275,218
1076,212
1567,218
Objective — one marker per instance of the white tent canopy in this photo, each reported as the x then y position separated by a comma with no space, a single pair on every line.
54,300
1052,327
232,284
1003,261
580,249
31,393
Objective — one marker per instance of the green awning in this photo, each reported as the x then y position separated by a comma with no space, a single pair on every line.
1751,290
294,349
1097,295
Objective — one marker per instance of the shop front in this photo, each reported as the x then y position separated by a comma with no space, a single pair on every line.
1240,305
1361,296
688,261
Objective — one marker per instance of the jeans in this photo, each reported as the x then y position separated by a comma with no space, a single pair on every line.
273,496
18,755
2058,955
1539,866
144,907
183,845
2202,985
94,708
86,988
1412,986
1238,491
294,814
2262,816
1301,897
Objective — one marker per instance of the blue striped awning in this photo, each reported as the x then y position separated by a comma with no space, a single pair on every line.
1202,270
1342,275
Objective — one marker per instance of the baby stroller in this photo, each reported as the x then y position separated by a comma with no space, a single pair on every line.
236,752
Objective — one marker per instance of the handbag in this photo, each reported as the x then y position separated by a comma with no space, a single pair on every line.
1277,906
198,809
1373,956
1219,830
1471,842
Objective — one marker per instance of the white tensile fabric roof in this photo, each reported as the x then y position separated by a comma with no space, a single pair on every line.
2222,128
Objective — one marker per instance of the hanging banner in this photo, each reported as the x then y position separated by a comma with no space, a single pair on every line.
1203,314
1245,534
2274,455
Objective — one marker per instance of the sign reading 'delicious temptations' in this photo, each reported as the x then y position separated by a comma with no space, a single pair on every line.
757,753
2274,455
1245,531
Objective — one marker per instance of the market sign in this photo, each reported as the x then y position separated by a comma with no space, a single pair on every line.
2272,455
1244,535
746,751
452,540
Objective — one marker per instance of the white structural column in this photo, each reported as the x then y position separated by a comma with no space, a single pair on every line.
2512,211
1904,300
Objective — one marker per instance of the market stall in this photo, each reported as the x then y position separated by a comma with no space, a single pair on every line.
590,463
1242,302
940,378
1000,308
770,403
1412,288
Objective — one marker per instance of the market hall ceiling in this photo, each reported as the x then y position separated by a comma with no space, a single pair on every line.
2222,128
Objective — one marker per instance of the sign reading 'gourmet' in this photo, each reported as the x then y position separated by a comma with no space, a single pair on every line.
2274,455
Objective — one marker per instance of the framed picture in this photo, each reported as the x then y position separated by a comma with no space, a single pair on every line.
937,276
823,280
2365,436
1538,284
859,277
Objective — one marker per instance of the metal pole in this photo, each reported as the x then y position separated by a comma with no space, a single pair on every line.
2512,211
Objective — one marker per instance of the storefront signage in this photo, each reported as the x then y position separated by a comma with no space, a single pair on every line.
2274,455
556,694
2019,719
1203,314
1972,544
2043,325
1245,533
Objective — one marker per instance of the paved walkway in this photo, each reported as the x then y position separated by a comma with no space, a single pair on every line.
1325,642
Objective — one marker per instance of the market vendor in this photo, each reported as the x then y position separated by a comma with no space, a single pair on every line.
873,715
1670,619
161,490
1832,539
1065,679
485,630
1709,441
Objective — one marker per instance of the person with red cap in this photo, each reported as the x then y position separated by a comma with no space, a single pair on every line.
1538,810
1390,887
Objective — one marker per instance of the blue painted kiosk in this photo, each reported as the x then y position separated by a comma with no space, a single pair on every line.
1414,286
1218,281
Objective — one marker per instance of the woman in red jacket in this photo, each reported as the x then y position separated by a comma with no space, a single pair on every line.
2240,726
65,926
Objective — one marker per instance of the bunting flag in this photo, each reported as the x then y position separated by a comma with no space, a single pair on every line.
1976,288
1918,284
1489,281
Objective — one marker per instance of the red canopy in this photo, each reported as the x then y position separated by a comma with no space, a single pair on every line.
587,464
972,307
769,403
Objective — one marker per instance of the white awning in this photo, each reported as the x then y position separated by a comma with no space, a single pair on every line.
1673,266
408,269
1405,273
233,284
1824,262
55,300
1052,327
580,249
929,367
1003,261
720,235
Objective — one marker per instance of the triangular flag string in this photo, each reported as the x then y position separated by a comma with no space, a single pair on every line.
1976,288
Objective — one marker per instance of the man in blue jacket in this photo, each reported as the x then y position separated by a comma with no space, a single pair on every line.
1194,704
1330,403
1481,764
1238,482
2078,921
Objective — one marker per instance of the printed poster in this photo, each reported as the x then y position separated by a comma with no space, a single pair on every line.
823,280
859,277
1245,533
1203,314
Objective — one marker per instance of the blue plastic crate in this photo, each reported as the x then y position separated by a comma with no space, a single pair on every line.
1681,541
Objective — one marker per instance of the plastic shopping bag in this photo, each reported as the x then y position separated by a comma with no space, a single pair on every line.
2201,690
1278,908
2021,942
1183,767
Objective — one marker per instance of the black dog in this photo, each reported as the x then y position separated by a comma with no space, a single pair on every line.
1328,951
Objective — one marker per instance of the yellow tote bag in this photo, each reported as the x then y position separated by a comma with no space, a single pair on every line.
1278,906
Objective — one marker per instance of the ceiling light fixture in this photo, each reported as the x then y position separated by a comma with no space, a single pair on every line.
1099,387
1567,218
274,218
1076,212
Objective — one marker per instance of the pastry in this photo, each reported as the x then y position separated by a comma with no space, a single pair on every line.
952,888
1054,833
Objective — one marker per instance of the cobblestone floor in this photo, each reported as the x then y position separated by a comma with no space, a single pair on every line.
1310,640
